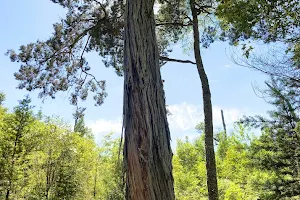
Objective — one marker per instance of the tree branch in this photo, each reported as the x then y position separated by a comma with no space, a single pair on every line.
81,60
173,24
163,58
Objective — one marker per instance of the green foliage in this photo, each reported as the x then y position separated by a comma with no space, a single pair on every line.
267,20
82,129
189,170
109,171
59,64
285,98
45,160
2,98
277,150
175,23
238,177
279,154
16,143
270,21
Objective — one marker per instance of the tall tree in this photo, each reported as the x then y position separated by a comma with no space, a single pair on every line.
207,106
109,182
177,16
79,125
58,64
15,147
147,151
277,149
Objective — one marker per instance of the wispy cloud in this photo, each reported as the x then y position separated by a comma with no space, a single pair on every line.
101,127
228,66
182,121
184,117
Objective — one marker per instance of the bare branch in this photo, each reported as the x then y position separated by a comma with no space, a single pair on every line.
163,58
272,64
173,24
81,60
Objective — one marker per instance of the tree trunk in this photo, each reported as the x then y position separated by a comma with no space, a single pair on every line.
12,167
208,117
95,180
147,151
7,194
224,125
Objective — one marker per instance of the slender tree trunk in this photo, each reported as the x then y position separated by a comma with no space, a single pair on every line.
224,124
208,117
12,167
95,181
147,151
48,174
7,194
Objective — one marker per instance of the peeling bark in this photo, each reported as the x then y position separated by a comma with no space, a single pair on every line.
147,151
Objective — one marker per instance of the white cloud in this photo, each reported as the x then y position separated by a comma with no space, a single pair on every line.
182,121
185,116
102,127
228,66
231,115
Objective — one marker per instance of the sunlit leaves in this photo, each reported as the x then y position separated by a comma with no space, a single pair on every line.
277,149
266,20
45,160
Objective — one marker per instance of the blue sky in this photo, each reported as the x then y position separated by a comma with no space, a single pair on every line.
23,22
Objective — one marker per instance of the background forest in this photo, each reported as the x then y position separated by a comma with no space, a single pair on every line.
44,157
